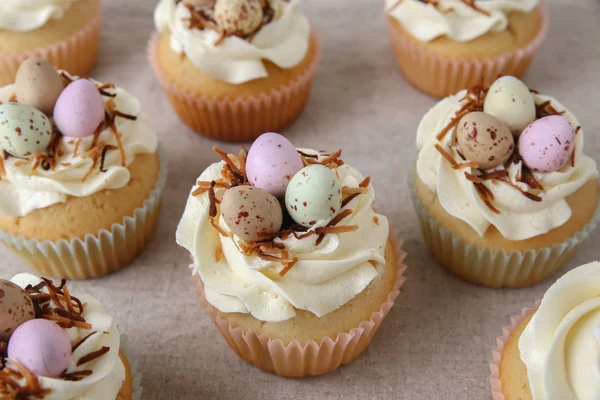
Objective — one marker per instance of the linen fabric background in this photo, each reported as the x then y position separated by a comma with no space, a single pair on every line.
436,342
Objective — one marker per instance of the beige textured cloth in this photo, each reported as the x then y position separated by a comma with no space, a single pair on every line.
436,342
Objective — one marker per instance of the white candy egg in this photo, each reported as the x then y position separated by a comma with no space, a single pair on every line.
509,100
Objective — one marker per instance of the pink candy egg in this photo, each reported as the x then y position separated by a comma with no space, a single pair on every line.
546,145
79,109
42,347
272,162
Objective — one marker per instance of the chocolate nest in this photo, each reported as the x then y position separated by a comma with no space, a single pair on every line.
58,305
202,18
474,100
97,150
233,173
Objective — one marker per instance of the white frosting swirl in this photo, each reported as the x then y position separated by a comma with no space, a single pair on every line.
28,15
325,278
23,190
454,18
108,371
283,41
520,218
559,345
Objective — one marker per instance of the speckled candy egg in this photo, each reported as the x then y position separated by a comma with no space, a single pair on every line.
79,109
16,308
42,347
484,139
314,194
238,16
272,162
24,130
250,212
511,102
547,144
38,84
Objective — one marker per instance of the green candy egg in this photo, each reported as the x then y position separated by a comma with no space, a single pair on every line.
24,130
314,194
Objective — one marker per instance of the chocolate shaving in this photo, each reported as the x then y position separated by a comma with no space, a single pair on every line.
336,229
446,155
76,375
349,199
212,211
288,267
81,341
93,355
486,196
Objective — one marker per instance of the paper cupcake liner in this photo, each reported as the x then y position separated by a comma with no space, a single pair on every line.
136,375
99,254
495,267
76,53
501,341
295,360
240,119
439,75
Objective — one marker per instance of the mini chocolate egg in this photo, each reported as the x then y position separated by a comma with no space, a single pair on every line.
547,144
24,130
79,109
250,212
16,308
42,347
314,194
38,84
241,17
509,100
200,3
484,139
272,162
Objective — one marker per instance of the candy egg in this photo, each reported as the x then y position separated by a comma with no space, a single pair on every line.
250,212
16,308
314,194
38,85
42,347
484,139
547,144
272,161
79,109
509,100
24,130
240,17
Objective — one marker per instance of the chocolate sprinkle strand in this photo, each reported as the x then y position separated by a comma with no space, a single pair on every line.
93,355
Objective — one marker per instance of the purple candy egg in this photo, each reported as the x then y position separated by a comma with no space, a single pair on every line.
272,162
546,145
42,347
79,109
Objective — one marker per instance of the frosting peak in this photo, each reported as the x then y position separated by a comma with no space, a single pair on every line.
455,19
28,15
283,41
560,344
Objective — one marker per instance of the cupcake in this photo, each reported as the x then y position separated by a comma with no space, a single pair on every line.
502,187
553,352
65,32
81,173
56,346
234,69
290,259
447,45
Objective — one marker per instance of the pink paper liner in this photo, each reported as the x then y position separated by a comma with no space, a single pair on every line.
243,118
501,341
76,53
295,360
440,75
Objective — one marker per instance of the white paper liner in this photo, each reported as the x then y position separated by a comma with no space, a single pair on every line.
312,359
439,75
136,375
494,267
501,341
99,254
